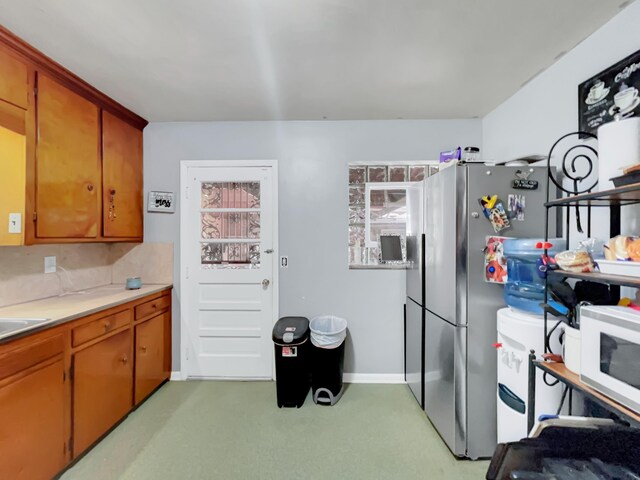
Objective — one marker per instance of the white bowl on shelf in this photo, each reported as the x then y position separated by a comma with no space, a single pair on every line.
615,267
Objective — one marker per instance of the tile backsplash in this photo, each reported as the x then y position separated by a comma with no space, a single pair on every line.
80,266
151,261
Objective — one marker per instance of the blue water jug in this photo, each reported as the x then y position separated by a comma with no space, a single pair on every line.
524,289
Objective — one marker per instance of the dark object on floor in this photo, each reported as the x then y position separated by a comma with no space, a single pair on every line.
605,451
293,356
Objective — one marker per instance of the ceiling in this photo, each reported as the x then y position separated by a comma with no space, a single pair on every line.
205,60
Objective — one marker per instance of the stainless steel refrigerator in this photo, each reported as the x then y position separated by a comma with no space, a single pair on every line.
453,318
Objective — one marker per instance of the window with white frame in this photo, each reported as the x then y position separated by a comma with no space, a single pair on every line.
386,211
381,199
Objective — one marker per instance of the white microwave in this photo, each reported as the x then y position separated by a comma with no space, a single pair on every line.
610,352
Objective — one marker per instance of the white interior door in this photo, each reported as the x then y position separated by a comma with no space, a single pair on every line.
228,248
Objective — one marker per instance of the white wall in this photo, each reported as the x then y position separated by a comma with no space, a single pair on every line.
313,213
547,107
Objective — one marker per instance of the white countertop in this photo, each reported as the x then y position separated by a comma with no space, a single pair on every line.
73,305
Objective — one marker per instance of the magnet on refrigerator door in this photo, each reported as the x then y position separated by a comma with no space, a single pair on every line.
495,263
493,210
516,206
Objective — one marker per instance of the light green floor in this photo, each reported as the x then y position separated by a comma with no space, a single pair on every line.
234,430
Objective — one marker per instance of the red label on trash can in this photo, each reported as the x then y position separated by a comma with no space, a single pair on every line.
289,351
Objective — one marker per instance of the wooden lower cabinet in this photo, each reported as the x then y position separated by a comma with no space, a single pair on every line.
62,389
32,430
150,369
102,388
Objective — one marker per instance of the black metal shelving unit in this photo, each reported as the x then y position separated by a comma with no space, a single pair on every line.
578,196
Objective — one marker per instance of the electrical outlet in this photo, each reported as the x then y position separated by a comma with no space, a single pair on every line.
49,264
15,223
284,262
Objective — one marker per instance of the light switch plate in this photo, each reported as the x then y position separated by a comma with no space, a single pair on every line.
49,264
15,223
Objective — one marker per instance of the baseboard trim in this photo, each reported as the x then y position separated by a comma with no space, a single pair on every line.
390,378
382,378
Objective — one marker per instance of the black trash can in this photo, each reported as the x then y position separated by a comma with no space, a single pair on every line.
327,364
292,348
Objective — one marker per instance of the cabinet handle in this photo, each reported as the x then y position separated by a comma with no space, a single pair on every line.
143,349
124,360
90,187
112,204
154,306
106,326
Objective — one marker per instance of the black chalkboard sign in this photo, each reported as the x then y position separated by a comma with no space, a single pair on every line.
617,86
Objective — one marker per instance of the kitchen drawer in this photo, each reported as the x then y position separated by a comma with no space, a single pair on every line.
14,361
100,327
153,306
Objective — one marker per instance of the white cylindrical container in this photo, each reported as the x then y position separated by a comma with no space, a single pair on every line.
518,333
618,147
571,350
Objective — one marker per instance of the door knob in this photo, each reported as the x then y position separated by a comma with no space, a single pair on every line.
265,283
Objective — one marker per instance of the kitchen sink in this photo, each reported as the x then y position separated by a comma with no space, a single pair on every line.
13,325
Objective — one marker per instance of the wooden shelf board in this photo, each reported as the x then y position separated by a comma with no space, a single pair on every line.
627,195
599,277
566,376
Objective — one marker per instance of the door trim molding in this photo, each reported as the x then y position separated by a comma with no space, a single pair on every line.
184,168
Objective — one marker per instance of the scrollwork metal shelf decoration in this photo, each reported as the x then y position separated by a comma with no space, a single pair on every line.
576,156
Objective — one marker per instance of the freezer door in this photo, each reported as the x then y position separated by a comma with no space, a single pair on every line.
414,348
415,268
444,381
443,253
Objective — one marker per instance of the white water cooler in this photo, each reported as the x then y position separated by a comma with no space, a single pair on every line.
519,332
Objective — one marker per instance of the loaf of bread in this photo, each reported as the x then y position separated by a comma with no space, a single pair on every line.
575,261
623,248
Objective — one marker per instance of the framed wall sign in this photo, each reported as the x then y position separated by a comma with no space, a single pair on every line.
613,89
161,202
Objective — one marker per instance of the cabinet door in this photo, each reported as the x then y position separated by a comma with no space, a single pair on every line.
102,389
13,80
68,163
32,433
150,356
121,178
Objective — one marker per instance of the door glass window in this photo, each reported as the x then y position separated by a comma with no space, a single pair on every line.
230,225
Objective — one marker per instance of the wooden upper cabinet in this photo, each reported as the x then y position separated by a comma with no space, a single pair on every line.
68,176
14,80
122,208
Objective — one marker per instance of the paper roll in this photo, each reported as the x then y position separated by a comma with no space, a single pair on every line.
618,148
